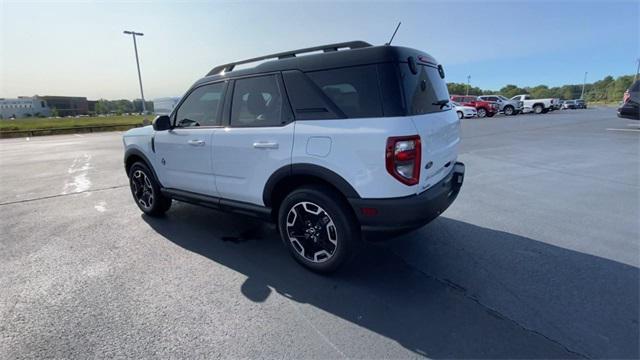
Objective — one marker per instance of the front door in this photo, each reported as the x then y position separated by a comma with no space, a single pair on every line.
185,152
258,140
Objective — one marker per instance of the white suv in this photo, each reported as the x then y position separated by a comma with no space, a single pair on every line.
330,146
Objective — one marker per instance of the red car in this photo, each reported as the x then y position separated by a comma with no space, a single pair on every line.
484,108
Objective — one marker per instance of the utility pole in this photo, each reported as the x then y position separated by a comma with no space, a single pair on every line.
584,82
135,48
637,70
468,82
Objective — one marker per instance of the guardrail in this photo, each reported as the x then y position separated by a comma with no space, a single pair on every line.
66,130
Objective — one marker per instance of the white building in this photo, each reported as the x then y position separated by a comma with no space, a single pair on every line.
164,106
23,106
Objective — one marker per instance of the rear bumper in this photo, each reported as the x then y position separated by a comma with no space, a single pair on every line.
629,111
410,212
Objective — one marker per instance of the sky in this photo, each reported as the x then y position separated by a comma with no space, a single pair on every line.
78,48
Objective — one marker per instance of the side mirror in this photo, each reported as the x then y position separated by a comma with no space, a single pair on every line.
161,123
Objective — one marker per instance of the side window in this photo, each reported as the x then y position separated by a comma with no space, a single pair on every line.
354,90
257,101
201,107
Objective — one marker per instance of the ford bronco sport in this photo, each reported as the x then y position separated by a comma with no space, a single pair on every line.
330,146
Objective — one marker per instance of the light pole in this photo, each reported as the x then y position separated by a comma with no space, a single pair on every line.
583,84
637,70
468,82
135,48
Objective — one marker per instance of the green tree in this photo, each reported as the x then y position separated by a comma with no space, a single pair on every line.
54,112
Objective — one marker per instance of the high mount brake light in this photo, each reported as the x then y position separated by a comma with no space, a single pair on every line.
403,155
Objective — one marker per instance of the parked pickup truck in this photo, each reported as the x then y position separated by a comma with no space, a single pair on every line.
538,106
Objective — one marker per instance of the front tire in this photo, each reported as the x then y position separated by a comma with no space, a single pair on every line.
460,115
508,110
318,227
146,191
482,112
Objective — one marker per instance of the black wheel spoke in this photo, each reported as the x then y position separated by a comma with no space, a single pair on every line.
311,232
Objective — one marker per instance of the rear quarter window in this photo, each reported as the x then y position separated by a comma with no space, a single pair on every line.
354,90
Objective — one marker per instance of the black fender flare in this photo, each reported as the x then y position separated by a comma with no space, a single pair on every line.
310,170
136,152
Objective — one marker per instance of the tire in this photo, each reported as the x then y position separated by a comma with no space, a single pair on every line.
146,191
482,112
318,227
509,110
490,114
460,115
538,109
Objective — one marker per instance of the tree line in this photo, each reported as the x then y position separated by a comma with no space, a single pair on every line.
607,90
104,106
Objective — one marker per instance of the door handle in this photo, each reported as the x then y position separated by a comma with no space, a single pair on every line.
196,142
265,145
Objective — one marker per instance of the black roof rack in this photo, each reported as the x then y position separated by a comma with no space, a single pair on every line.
288,54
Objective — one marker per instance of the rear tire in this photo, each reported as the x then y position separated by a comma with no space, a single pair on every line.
537,109
460,115
318,227
145,190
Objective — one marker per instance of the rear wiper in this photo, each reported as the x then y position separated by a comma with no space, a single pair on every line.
442,103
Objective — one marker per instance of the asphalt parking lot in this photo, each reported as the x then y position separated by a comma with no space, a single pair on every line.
537,258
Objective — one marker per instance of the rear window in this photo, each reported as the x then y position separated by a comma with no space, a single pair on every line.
354,90
423,90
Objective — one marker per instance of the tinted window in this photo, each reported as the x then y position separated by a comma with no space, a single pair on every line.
423,90
635,86
201,107
257,101
354,90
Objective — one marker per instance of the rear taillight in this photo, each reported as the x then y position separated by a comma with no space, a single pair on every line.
626,97
403,158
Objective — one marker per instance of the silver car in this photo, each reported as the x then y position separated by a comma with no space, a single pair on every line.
507,106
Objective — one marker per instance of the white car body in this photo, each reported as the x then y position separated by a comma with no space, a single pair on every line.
466,111
359,141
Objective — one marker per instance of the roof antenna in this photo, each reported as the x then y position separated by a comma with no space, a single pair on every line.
394,33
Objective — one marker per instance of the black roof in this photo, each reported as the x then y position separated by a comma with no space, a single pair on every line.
358,53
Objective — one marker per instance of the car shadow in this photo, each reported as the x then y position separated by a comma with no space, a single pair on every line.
415,306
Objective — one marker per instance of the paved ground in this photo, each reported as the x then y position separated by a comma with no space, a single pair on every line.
538,258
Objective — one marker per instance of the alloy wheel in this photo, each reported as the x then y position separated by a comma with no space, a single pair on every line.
142,189
312,232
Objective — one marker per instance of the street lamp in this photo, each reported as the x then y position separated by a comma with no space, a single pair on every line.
584,82
468,82
135,48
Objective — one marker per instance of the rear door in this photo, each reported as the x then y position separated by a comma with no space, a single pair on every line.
184,153
257,141
437,125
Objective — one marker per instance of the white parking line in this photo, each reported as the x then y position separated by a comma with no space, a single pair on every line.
632,130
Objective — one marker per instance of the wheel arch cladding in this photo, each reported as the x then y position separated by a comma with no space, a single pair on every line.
131,156
285,179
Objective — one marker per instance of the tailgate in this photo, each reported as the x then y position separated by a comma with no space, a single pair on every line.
440,135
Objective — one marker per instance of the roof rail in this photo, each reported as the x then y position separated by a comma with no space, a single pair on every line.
288,54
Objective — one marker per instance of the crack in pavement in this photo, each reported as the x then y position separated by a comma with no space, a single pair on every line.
62,195
461,289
